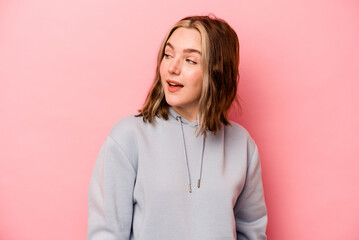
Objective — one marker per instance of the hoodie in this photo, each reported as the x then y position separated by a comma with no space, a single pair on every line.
162,182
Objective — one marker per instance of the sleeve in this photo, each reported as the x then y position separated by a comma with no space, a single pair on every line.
250,210
110,195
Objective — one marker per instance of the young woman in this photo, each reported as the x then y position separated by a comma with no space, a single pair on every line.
180,169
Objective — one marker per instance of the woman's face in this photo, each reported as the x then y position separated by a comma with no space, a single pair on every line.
181,71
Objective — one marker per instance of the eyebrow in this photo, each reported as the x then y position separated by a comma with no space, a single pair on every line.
187,50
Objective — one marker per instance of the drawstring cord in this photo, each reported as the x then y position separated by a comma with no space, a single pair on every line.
186,159
185,155
200,170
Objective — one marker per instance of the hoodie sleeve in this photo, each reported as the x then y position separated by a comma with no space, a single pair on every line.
110,195
250,210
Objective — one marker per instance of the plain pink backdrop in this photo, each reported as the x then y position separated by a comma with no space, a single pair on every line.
70,69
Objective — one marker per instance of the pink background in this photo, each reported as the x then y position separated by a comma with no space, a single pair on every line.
70,69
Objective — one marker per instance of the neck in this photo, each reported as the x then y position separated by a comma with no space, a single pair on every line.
189,114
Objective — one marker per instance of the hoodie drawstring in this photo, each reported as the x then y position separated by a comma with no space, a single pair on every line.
186,159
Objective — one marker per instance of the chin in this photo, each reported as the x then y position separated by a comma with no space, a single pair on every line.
172,102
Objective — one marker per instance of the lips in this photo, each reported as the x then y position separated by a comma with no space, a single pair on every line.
174,83
174,86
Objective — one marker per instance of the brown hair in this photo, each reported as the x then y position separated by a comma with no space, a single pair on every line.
220,60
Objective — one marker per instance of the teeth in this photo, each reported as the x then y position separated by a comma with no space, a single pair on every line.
172,84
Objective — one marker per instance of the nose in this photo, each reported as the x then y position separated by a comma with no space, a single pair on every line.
175,67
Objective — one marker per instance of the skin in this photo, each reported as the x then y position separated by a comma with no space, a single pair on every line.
182,64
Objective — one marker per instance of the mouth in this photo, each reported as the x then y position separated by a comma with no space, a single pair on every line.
172,83
174,86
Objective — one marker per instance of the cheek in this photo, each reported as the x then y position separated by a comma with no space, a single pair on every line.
197,76
162,71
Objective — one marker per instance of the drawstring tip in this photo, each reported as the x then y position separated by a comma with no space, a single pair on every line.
189,188
199,183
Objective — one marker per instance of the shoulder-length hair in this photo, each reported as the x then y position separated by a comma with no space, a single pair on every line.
220,60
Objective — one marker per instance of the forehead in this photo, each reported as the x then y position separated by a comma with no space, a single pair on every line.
183,38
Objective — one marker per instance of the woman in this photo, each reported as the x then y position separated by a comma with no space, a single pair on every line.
141,187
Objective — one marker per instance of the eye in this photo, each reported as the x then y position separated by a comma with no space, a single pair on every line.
166,55
191,61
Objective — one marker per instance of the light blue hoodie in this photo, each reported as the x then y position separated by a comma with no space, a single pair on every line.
144,184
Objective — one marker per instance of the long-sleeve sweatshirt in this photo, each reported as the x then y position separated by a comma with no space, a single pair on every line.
144,185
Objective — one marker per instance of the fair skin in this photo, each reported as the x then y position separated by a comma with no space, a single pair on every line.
181,72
